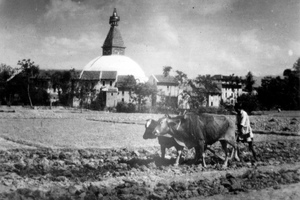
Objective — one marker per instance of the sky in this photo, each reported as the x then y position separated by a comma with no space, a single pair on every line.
196,37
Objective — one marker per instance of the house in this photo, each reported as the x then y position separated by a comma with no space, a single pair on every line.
107,83
167,87
212,98
231,87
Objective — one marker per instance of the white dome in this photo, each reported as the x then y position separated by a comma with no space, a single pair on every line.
122,64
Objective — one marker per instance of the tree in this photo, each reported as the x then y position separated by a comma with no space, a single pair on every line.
28,71
128,83
67,85
6,72
166,70
142,91
249,82
249,102
201,86
181,78
296,67
271,93
292,85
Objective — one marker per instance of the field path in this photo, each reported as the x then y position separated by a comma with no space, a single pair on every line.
7,145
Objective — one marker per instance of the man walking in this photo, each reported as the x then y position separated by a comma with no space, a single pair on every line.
245,133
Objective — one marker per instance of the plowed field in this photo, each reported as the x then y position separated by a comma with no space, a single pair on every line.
59,154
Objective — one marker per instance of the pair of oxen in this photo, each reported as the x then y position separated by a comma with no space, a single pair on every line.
194,131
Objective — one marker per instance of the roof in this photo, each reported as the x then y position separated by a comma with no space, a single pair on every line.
217,89
109,89
165,79
90,75
97,75
109,75
226,78
214,90
46,74
122,78
114,38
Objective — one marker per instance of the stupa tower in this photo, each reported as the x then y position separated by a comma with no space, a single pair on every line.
113,57
113,44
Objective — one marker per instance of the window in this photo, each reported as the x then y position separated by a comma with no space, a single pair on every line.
122,99
112,94
110,83
103,83
123,93
211,103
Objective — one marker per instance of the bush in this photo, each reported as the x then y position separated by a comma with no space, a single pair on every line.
131,107
125,107
213,110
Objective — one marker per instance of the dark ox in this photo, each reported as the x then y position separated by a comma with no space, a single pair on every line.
166,141
199,131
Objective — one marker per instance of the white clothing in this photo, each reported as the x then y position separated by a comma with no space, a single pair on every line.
245,123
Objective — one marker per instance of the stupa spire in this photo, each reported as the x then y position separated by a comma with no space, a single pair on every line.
113,20
113,44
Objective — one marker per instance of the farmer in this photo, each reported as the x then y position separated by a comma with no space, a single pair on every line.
245,133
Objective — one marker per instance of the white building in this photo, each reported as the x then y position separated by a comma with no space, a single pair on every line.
231,87
167,88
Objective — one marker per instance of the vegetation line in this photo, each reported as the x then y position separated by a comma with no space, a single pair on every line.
113,121
283,133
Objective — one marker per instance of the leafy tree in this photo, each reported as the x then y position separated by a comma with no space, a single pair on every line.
201,86
67,85
142,91
29,71
86,93
271,92
128,83
181,78
292,85
6,72
166,70
249,82
284,93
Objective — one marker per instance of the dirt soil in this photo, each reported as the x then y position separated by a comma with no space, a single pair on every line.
33,172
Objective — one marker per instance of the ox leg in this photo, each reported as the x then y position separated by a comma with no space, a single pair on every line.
235,150
201,152
163,151
220,157
203,160
197,156
179,152
224,146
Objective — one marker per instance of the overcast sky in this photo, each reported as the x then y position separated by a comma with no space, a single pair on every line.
193,36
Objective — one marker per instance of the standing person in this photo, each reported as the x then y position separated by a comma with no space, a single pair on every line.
245,133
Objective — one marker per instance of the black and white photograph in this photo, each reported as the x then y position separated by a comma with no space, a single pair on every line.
149,99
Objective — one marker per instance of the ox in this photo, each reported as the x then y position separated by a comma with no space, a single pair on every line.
199,131
165,141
